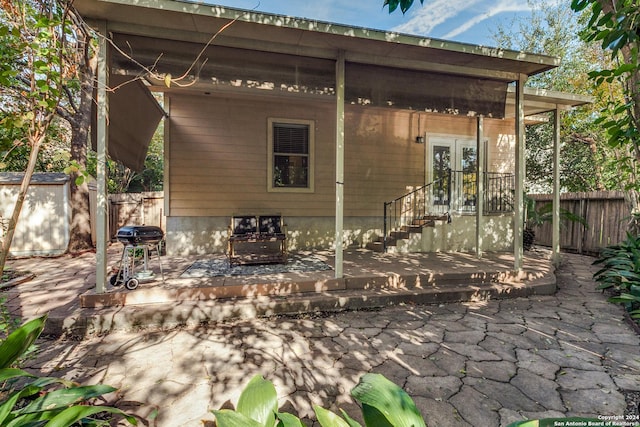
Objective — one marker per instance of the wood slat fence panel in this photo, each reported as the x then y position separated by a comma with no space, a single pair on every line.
606,213
136,209
129,209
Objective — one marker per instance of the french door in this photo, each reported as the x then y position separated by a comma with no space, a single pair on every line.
452,168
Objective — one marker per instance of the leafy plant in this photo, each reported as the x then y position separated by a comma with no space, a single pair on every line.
26,399
384,404
8,323
536,216
621,272
620,265
404,4
631,302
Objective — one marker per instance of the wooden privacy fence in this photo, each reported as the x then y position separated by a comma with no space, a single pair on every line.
135,209
131,209
606,213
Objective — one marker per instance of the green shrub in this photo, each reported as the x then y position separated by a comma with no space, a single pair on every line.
26,399
384,404
620,265
620,272
8,323
536,216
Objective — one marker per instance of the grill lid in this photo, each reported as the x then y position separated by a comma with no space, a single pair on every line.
134,234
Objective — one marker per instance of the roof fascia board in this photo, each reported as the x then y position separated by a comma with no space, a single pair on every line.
551,97
221,40
432,67
224,12
563,98
147,31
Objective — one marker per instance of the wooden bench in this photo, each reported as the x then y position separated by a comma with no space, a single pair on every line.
257,239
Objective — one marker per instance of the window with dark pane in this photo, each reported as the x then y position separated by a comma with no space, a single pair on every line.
290,155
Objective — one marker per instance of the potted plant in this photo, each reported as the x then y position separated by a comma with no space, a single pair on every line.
535,216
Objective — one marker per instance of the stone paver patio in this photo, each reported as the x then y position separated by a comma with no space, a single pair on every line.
474,364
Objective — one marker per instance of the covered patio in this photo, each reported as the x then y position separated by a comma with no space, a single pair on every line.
275,58
370,280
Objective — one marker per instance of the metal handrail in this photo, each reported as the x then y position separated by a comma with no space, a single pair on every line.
403,210
499,192
406,208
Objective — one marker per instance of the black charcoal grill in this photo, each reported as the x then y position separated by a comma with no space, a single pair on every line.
137,240
140,235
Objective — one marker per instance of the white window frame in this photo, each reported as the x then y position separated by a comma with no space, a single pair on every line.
311,172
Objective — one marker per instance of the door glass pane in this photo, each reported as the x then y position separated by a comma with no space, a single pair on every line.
469,168
441,167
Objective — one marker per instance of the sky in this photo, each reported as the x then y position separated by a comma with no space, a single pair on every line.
467,21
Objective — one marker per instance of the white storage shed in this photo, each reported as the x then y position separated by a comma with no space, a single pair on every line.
44,223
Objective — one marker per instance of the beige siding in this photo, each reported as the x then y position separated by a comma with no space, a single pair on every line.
502,143
382,161
218,149
218,152
451,125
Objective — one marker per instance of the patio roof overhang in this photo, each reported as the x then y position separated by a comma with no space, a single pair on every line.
198,22
278,53
539,101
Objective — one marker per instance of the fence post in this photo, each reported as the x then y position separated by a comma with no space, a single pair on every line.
583,214
384,231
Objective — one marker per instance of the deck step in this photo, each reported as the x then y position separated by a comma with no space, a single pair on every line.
443,217
401,234
404,233
424,222
375,246
156,307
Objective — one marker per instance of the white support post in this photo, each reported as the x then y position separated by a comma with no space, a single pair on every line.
102,216
555,240
518,218
167,162
340,83
480,185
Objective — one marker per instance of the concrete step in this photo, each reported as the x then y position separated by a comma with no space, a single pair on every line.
424,222
375,246
400,234
170,307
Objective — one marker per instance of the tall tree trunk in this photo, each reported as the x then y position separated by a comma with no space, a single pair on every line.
80,232
22,195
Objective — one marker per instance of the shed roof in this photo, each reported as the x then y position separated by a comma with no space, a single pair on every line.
42,178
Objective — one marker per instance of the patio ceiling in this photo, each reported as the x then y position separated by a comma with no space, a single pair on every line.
296,57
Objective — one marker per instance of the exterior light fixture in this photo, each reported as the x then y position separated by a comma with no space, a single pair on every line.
419,139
